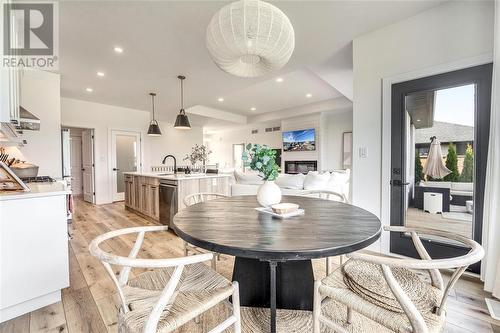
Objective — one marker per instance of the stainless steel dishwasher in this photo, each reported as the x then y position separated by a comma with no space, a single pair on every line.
168,201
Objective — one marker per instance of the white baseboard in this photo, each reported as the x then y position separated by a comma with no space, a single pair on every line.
28,306
493,307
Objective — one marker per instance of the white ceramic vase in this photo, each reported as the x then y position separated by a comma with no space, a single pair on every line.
269,194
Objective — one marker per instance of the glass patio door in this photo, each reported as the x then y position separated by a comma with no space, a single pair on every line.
440,130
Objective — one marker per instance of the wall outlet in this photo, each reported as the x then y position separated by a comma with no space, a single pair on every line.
363,152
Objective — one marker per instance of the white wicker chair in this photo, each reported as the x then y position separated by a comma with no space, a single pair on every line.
424,317
174,292
193,199
327,195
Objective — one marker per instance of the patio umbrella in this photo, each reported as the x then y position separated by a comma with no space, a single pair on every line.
435,167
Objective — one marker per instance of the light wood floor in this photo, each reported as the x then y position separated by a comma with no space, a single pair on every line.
418,218
88,305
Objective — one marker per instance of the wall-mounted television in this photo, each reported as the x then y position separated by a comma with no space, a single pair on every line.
301,140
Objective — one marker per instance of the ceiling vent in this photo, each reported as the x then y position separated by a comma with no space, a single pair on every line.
277,128
269,129
254,131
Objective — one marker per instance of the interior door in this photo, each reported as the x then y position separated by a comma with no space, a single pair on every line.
440,185
76,165
88,165
126,157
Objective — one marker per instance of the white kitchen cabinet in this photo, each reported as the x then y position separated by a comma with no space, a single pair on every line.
33,251
9,80
10,95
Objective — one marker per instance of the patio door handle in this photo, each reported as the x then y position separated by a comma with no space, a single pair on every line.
397,182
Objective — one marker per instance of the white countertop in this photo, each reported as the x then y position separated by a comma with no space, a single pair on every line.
36,190
178,176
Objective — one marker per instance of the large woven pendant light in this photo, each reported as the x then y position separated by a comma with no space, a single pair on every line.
182,121
250,38
154,129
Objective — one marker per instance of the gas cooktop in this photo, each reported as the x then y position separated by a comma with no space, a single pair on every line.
38,179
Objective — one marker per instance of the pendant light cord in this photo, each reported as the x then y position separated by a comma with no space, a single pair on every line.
153,101
182,95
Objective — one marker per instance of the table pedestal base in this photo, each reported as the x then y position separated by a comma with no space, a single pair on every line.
273,284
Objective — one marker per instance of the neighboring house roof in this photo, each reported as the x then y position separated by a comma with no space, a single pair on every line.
445,132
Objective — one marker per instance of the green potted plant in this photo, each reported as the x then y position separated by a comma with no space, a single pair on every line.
263,159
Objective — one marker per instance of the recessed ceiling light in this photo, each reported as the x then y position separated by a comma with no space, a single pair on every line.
253,109
89,90
309,95
118,49
101,74
279,80
220,99
418,120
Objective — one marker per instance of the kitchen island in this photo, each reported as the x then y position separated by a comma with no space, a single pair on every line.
33,248
159,196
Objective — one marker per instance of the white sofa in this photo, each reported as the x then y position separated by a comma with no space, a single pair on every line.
337,180
456,188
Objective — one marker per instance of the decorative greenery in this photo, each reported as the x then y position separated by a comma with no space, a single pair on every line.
452,164
198,153
263,159
467,174
419,174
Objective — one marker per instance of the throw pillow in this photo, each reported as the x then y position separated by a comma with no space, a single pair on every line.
295,182
339,181
248,178
316,181
340,176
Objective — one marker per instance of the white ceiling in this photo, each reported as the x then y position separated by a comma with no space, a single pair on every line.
162,39
270,95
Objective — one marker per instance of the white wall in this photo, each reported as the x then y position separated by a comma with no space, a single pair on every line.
221,142
333,126
104,118
444,34
329,128
40,95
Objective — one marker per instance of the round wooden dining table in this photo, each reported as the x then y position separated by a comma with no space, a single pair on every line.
273,256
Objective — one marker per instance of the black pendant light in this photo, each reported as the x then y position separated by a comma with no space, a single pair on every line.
154,129
182,121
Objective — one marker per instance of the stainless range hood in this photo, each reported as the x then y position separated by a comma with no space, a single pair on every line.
27,121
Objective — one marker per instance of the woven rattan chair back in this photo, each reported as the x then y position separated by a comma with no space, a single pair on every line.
127,263
432,266
325,194
195,198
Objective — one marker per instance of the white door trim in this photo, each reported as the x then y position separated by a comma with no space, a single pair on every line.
112,159
385,211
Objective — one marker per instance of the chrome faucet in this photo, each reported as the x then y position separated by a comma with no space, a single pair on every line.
175,162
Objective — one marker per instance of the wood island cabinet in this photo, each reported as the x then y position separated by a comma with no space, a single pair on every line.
197,185
142,195
142,192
